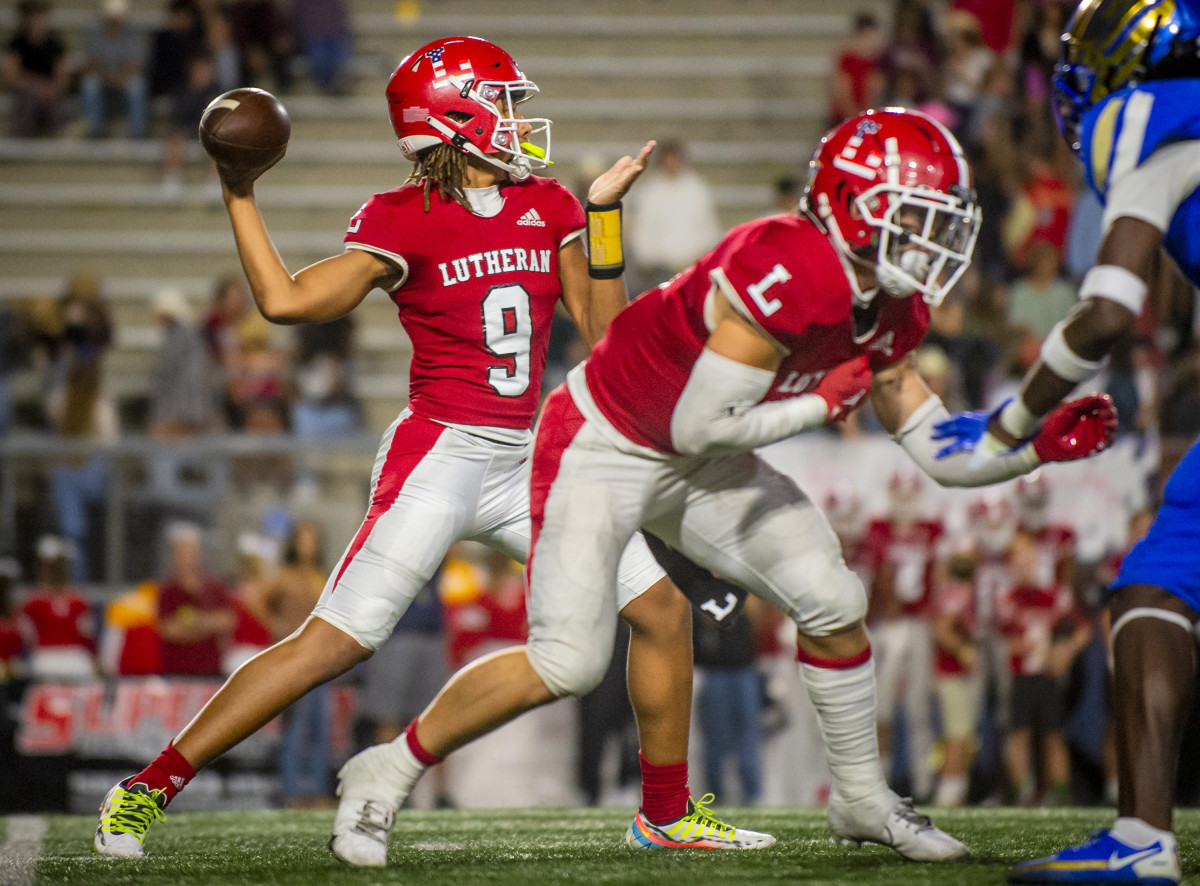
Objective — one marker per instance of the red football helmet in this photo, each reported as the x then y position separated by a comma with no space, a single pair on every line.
892,187
1033,501
844,508
906,489
463,91
993,522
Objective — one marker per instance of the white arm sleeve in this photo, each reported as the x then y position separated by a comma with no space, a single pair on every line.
916,437
719,409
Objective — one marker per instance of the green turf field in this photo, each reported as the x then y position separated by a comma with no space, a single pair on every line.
549,846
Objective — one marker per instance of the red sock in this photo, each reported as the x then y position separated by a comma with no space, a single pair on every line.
168,773
664,791
423,756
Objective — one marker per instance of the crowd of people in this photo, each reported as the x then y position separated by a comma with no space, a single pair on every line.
200,48
983,70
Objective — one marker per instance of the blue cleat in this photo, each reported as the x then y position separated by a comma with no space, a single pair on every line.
1103,858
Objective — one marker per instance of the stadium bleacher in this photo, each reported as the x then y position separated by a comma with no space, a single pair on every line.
742,84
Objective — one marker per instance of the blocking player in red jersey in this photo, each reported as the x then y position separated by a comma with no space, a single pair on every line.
775,331
475,252
907,549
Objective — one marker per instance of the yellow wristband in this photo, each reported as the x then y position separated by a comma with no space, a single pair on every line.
606,258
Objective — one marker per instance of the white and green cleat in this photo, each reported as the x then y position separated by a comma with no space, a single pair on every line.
125,816
698,829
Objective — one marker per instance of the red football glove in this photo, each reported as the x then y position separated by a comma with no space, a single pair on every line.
844,387
1077,429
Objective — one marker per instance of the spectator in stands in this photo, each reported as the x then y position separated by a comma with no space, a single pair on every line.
129,643
1039,51
1045,633
257,556
183,382
264,43
172,45
967,63
14,355
195,611
326,403
956,677
858,80
408,670
914,48
78,409
672,218
1041,296
56,619
11,644
287,599
323,32
218,40
1132,381
1042,210
36,71
187,107
996,19
114,70
258,390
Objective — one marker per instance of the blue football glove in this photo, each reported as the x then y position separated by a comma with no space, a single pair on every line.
964,430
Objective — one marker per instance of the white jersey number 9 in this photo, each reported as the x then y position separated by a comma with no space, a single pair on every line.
507,333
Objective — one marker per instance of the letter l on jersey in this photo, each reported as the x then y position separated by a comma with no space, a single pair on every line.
778,274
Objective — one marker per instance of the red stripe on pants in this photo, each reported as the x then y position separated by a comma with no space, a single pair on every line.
413,439
560,422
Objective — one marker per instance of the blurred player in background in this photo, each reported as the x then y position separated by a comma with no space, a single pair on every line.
1127,91
476,252
906,549
773,332
1054,543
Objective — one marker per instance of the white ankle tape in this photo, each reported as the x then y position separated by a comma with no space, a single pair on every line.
1175,618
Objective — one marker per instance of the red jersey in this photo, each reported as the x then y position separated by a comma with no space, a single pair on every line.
59,619
1031,614
783,275
200,657
476,294
10,644
1053,544
903,585
955,599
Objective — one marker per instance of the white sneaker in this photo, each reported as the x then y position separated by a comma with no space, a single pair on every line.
892,821
365,814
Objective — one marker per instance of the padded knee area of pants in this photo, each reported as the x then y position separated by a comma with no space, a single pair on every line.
843,603
568,670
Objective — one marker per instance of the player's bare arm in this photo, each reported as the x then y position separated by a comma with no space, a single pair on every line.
322,292
592,302
1131,245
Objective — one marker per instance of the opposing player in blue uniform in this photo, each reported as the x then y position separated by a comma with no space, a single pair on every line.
1128,99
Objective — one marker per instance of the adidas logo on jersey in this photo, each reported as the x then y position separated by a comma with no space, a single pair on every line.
531,218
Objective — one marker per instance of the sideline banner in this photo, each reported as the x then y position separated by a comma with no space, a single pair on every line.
134,718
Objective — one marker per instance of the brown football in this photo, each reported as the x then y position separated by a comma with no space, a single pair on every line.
245,129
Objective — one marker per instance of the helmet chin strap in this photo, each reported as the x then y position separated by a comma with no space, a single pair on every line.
517,166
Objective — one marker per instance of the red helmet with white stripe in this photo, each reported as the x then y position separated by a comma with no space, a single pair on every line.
892,188
463,91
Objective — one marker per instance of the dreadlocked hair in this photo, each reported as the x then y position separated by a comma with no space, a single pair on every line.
446,167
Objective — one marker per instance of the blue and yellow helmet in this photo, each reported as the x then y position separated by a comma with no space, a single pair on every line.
1111,44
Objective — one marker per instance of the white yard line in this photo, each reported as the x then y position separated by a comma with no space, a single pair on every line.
21,849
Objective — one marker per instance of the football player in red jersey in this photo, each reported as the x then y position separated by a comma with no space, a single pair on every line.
475,252
907,549
775,331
